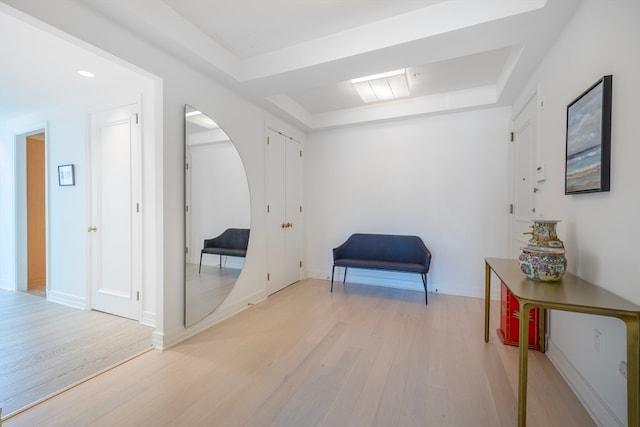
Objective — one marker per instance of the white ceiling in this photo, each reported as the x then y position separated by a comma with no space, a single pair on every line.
39,69
296,57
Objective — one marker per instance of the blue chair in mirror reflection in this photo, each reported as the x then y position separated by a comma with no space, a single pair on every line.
232,242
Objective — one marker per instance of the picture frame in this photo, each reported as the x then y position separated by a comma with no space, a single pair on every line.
588,140
66,176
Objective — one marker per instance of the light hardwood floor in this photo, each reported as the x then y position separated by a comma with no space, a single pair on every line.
360,356
207,289
45,347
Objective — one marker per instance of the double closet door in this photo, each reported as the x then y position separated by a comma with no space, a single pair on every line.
284,210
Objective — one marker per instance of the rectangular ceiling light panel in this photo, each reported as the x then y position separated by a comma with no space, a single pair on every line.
382,87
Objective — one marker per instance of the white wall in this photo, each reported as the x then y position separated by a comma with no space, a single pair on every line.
443,178
67,207
600,231
242,121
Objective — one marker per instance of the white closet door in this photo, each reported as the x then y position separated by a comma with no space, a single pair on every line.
524,181
292,212
115,227
283,211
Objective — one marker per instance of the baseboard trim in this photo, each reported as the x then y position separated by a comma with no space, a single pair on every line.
164,341
148,319
601,413
67,299
405,281
6,284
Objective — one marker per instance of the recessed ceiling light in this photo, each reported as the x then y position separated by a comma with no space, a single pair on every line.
84,73
383,86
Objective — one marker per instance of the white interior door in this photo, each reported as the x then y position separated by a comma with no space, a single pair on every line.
115,227
283,211
524,177
292,211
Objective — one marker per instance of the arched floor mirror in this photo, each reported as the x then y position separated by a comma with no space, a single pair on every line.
217,215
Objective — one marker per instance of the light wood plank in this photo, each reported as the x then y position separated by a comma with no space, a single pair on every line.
360,356
45,347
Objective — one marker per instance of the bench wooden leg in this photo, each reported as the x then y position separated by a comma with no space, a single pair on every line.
200,269
344,279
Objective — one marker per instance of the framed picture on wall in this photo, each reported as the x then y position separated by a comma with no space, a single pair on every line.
588,155
65,175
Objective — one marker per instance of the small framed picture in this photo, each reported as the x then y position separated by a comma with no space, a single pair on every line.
65,175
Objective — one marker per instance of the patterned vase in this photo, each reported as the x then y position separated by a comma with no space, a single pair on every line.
543,258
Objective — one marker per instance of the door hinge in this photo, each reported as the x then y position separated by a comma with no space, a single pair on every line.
511,208
186,166
186,250
138,296
512,136
186,208
300,264
267,140
138,207
300,208
267,208
268,277
137,121
300,153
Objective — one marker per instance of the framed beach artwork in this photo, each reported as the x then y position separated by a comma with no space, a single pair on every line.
589,140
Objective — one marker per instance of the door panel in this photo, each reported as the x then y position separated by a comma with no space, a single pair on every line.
292,212
115,228
524,200
283,215
276,177
36,226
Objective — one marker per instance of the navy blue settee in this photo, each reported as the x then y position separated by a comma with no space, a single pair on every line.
383,252
232,242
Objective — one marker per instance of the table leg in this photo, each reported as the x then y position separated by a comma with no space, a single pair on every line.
633,376
542,323
524,354
487,295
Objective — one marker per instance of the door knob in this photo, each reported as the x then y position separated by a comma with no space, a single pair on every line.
94,228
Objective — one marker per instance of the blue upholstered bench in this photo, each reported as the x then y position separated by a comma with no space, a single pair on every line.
383,252
232,242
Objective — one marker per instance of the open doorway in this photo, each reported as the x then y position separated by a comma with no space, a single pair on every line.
31,212
36,215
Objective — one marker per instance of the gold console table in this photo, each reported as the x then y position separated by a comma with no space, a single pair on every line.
569,294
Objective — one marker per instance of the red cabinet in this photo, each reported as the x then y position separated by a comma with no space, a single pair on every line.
509,331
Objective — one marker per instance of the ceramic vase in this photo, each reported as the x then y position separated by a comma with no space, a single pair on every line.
544,257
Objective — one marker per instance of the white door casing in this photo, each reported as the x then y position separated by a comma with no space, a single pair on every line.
283,211
523,176
115,212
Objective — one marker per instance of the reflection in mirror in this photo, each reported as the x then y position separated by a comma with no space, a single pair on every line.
217,215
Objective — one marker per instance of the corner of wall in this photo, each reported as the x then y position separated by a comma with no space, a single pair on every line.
588,396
